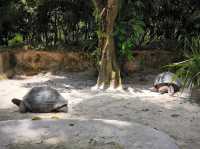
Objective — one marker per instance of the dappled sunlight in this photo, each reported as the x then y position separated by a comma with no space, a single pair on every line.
62,83
142,92
74,89
115,108
131,94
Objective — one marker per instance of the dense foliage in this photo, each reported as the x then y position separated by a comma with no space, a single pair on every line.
164,24
47,23
189,69
150,24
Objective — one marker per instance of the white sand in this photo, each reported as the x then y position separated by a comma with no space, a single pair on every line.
177,117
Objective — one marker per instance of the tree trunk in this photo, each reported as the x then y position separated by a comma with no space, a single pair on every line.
109,72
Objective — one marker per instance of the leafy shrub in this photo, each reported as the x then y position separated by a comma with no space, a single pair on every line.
128,36
189,69
16,40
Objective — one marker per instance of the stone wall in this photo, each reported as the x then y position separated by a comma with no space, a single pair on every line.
148,60
6,69
30,62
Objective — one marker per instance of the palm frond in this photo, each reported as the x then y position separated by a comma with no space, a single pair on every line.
189,69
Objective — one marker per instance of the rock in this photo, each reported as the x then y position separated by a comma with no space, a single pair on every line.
85,134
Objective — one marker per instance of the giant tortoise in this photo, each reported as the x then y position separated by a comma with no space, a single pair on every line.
42,100
166,82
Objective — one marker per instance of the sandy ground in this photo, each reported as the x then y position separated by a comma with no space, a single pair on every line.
178,117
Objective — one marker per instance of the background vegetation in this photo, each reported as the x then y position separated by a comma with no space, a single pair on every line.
47,23
141,24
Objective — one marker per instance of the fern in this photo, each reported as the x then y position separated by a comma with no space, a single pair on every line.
189,70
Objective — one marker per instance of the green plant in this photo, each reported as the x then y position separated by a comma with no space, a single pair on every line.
128,35
189,69
16,40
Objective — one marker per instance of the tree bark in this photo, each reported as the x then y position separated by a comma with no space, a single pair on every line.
109,72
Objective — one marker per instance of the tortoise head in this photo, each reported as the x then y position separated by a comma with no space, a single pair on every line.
16,101
20,104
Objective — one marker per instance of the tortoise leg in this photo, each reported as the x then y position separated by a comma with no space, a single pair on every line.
64,108
163,89
171,90
22,107
61,108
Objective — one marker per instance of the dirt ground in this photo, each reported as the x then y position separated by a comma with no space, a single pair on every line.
178,117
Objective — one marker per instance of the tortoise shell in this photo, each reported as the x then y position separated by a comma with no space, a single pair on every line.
167,78
43,99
